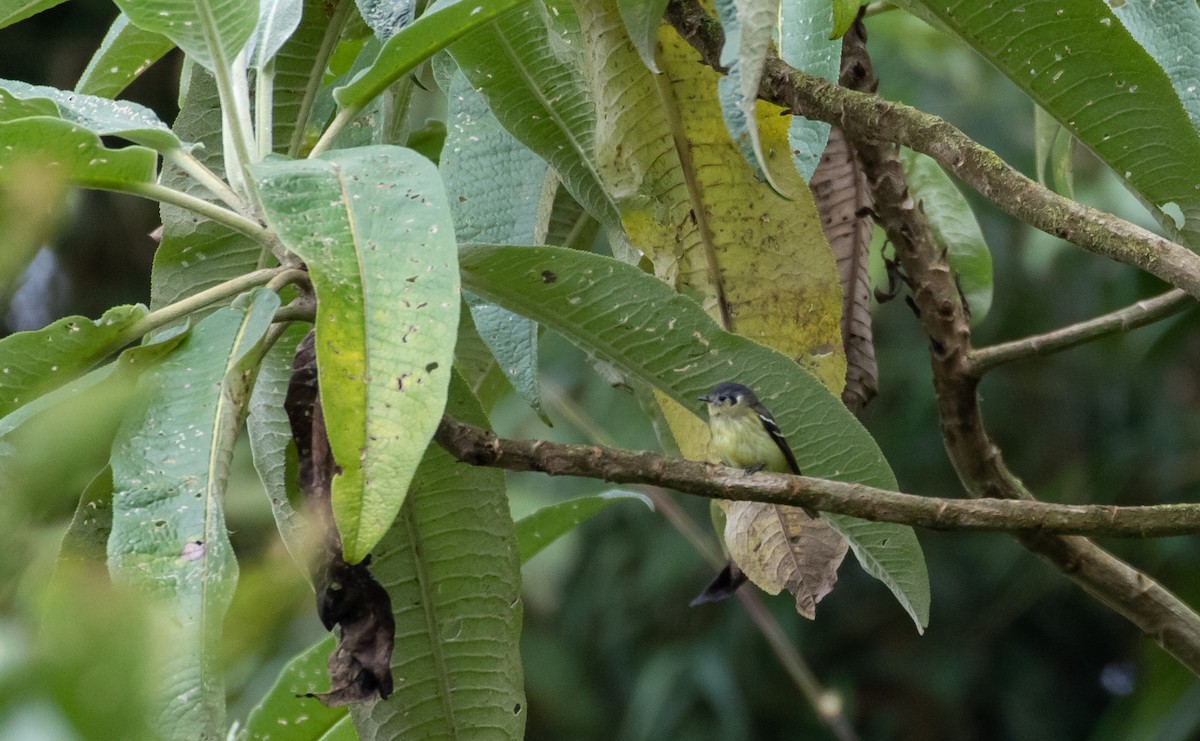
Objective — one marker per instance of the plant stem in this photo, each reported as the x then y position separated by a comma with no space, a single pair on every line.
197,301
339,122
187,162
264,102
1144,312
212,211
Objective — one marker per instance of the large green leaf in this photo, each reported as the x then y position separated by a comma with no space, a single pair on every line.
1134,105
55,444
170,463
74,153
375,230
530,75
954,228
451,569
804,43
649,332
196,253
495,185
300,66
101,116
416,43
39,361
210,32
124,54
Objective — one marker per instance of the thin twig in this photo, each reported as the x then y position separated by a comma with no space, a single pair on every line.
1147,311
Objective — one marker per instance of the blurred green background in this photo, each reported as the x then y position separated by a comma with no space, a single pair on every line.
1013,650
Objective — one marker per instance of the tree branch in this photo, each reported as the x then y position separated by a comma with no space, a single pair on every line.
869,118
1133,316
1147,604
479,447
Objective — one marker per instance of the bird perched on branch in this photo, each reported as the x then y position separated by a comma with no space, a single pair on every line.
744,435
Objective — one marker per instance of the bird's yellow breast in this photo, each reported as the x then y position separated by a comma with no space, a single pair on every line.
742,441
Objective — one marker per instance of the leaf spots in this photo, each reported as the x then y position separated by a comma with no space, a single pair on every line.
549,277
431,367
400,381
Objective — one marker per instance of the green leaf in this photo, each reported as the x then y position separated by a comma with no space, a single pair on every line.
416,43
101,116
196,253
805,28
642,19
451,569
210,32
647,331
271,447
299,69
530,76
12,11
541,528
124,54
73,153
954,229
1129,102
748,25
494,184
170,463
54,445
844,13
40,361
288,713
86,539
277,21
374,228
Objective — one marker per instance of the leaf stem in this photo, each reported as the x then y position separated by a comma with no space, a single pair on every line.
1136,315
264,102
339,122
187,162
212,211
197,301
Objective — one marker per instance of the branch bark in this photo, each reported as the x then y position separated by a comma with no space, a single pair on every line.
1148,311
867,117
480,447
876,126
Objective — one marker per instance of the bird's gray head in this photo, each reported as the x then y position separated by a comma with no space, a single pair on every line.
729,394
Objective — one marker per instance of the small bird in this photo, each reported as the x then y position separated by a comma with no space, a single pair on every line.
745,435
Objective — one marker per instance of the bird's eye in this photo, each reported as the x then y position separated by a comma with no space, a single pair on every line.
722,398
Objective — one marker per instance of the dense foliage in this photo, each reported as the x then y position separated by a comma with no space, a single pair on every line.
521,212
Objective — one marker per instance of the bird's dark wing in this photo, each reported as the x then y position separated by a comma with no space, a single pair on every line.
768,423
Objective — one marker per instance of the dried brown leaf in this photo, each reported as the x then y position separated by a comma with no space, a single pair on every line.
785,548
839,187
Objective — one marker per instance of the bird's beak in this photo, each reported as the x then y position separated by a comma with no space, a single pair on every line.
705,398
